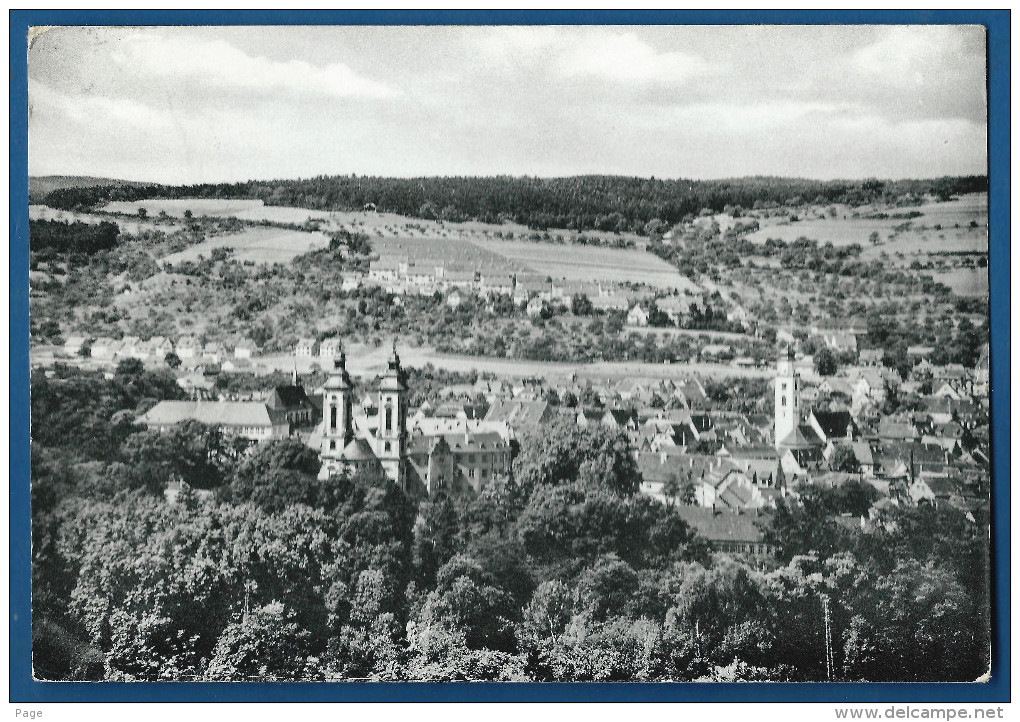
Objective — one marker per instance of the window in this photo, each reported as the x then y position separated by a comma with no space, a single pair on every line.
471,473
332,417
784,401
332,446
386,446
470,458
389,419
485,474
784,386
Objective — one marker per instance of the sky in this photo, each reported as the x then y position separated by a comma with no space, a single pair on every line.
212,104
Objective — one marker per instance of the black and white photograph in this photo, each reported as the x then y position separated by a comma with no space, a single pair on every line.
516,353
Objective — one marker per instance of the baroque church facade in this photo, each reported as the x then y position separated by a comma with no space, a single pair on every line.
383,448
381,443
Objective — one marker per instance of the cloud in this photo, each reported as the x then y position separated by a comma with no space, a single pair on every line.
217,64
911,52
94,109
625,57
602,54
756,117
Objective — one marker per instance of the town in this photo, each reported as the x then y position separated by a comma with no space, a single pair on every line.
509,354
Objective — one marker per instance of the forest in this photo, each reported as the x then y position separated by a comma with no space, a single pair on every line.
604,203
47,238
258,570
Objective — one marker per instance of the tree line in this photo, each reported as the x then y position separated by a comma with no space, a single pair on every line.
59,237
605,203
258,570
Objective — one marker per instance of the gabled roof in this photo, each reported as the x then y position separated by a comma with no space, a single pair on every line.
518,413
723,526
289,397
359,450
802,437
214,413
833,423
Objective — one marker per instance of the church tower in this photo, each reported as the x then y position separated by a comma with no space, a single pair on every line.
787,397
391,438
337,412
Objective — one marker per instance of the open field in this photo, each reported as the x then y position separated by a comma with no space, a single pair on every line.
965,281
842,231
446,251
256,244
45,213
371,360
922,242
586,263
245,210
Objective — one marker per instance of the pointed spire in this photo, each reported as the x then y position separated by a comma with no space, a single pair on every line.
293,377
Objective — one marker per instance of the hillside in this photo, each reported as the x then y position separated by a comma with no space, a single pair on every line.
41,186
604,203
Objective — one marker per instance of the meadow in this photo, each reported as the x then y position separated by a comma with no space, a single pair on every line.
448,252
843,229
256,244
38,212
586,263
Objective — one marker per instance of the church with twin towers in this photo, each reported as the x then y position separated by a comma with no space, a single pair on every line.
383,448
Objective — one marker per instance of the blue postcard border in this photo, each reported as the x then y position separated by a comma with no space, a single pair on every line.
22,688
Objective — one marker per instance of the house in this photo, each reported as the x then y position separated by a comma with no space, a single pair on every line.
244,349
872,357
453,299
496,284
305,348
637,316
458,279
387,269
833,426
620,419
252,420
535,307
188,347
728,532
892,430
479,457
330,347
128,347
865,459
160,347
528,287
213,352
518,414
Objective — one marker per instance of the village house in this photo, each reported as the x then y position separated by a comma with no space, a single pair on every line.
305,348
330,347
244,349
188,347
637,316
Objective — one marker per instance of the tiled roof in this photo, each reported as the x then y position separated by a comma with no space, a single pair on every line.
214,413
723,526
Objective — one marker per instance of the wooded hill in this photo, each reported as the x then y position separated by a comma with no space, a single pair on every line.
607,203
